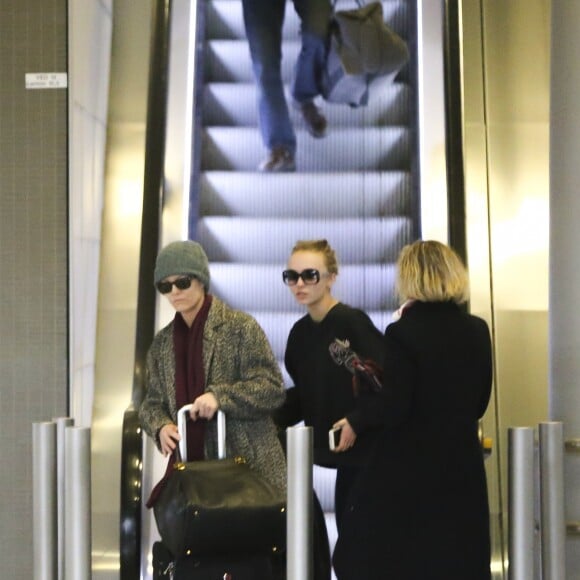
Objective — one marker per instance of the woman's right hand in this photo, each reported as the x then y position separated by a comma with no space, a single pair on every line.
168,438
347,435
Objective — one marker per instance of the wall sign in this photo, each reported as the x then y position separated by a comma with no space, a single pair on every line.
46,80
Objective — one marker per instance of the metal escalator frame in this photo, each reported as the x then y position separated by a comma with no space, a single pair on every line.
456,194
132,443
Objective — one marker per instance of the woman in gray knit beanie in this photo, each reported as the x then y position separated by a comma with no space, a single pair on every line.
214,357
181,258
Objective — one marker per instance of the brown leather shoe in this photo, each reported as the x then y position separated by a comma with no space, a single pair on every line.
315,121
279,160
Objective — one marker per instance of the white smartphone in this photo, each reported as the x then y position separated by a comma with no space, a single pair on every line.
334,437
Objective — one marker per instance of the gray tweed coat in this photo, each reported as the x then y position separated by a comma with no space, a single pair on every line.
241,371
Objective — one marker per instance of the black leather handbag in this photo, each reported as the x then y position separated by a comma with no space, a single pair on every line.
219,506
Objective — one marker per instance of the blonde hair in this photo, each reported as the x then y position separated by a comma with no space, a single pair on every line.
430,271
320,247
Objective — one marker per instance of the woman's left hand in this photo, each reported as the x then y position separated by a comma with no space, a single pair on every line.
204,407
347,436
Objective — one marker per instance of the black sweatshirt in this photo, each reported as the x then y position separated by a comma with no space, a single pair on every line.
323,391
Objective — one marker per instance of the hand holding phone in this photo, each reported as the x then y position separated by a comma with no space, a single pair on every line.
334,437
341,437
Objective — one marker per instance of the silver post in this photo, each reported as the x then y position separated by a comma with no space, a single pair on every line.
299,508
521,503
552,500
44,516
77,505
61,424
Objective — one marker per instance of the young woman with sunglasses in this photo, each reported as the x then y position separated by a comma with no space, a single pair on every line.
323,394
215,358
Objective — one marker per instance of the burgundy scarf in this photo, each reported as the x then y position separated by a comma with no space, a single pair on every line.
189,373
189,384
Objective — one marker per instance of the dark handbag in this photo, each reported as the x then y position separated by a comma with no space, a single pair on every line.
218,506
361,49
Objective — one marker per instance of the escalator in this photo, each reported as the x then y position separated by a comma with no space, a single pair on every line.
357,188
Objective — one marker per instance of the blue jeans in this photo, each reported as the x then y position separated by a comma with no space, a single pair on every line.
263,20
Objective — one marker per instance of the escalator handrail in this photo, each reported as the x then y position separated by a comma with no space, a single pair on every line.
454,131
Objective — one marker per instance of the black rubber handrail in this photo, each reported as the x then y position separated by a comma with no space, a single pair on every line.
454,130
198,83
413,68
132,444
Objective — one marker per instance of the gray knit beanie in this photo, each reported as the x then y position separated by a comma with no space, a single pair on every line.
184,257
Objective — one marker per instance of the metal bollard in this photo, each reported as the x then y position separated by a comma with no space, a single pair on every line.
552,500
61,424
299,505
77,505
521,503
44,515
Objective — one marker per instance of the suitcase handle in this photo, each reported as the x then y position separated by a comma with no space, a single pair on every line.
221,432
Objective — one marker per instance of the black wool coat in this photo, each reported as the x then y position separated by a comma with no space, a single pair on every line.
419,510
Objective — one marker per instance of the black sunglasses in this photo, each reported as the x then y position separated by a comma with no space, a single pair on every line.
309,276
182,283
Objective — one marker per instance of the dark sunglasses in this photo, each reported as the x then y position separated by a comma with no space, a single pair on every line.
309,276
182,283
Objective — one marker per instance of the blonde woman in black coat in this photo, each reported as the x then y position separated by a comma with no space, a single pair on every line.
419,510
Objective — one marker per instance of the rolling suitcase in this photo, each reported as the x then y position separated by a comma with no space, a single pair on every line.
232,564
242,567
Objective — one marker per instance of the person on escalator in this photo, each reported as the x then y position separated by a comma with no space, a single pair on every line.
323,395
215,358
419,510
264,20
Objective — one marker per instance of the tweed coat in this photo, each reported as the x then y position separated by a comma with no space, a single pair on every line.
420,509
242,373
